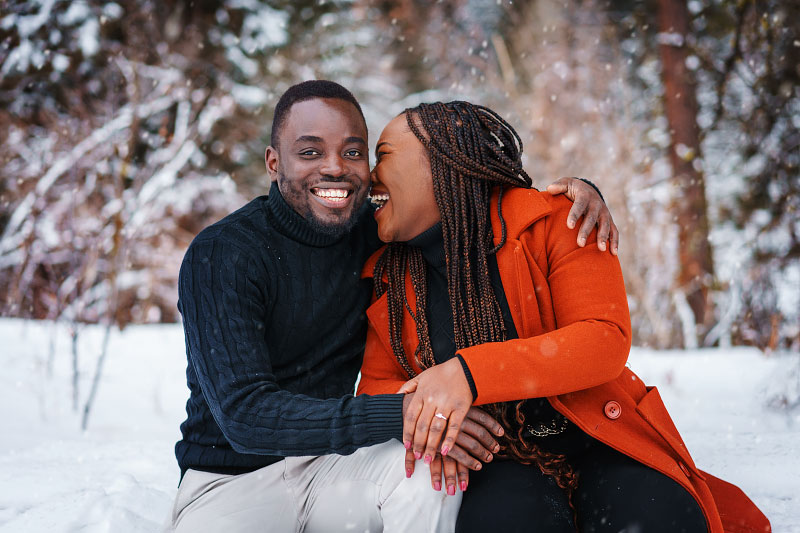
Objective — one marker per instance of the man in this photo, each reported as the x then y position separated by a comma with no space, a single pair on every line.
273,310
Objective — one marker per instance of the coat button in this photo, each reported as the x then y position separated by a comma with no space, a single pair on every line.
684,469
612,410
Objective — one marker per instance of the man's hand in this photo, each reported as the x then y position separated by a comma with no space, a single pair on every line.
455,474
589,204
476,443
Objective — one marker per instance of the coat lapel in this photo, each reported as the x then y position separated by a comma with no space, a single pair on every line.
378,316
528,206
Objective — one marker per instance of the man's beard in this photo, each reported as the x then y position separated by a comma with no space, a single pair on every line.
297,200
333,229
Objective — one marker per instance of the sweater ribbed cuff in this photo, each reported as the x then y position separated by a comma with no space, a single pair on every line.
385,417
468,375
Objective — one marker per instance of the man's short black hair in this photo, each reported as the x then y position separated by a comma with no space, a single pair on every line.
307,90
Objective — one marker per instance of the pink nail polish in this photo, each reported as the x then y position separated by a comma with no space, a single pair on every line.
428,459
445,449
451,490
407,444
417,455
437,485
463,486
408,472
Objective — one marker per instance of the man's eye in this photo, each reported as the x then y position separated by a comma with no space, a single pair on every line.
353,153
309,152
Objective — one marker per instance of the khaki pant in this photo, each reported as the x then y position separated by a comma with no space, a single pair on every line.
363,492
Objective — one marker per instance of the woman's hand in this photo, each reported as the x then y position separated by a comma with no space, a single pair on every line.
440,402
455,474
588,203
475,443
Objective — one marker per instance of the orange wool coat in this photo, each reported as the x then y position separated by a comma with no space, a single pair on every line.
570,310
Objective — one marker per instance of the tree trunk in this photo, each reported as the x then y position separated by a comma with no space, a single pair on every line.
696,272
75,368
98,374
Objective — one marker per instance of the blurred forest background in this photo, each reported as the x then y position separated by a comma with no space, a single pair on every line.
127,126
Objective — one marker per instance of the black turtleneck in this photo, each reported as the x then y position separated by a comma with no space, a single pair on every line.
440,316
273,314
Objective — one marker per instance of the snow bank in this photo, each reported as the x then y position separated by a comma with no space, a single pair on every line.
120,475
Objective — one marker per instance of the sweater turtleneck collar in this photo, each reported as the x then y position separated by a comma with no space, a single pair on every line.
431,243
290,223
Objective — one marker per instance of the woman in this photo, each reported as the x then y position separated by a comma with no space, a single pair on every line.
484,298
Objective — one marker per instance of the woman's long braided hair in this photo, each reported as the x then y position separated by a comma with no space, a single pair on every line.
471,150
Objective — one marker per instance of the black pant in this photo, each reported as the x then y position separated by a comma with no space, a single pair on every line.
614,494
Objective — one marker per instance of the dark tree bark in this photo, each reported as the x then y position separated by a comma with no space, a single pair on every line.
680,105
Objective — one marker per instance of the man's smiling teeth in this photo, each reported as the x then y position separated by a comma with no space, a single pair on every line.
379,199
331,193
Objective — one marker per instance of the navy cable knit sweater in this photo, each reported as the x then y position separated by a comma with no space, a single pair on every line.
273,314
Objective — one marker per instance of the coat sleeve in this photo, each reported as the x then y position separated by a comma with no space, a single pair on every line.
589,342
224,300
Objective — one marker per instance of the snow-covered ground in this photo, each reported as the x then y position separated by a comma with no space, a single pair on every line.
120,475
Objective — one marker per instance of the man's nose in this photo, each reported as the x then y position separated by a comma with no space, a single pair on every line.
333,165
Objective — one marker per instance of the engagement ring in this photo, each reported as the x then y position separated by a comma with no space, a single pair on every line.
440,415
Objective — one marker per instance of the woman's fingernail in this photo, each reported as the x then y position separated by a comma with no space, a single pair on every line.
417,455
445,449
407,444
437,485
463,486
408,472
428,459
451,490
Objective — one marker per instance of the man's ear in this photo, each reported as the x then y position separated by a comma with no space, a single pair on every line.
271,160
